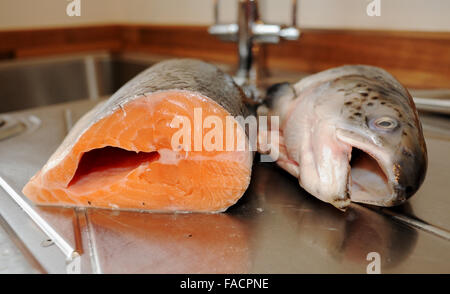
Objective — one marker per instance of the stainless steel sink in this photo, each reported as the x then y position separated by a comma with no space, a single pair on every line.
38,82
275,228
45,81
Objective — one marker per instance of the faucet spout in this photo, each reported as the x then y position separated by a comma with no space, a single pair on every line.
250,32
247,16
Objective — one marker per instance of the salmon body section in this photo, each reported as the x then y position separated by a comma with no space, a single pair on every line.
129,155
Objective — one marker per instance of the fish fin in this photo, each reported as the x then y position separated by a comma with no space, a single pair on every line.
276,151
285,162
262,145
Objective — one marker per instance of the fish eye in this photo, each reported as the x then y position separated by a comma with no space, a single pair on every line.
384,123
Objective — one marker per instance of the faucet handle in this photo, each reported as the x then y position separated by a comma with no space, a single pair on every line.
267,33
291,32
248,30
260,32
225,32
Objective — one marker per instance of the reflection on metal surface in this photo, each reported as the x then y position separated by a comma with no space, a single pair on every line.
345,238
433,105
133,242
418,224
438,125
10,127
73,265
45,81
275,228
43,225
77,230
15,258
91,78
68,119
90,236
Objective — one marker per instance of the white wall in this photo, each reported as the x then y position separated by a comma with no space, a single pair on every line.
395,14
17,14
433,15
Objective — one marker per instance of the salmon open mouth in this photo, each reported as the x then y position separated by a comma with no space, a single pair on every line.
369,183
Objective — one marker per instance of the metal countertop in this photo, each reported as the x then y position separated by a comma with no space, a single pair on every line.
275,228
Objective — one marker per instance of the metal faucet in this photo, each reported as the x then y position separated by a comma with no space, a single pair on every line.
250,33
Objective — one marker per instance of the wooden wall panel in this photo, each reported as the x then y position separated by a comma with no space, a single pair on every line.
418,59
421,59
189,41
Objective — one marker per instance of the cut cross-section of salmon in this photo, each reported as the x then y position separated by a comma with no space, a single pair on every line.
127,152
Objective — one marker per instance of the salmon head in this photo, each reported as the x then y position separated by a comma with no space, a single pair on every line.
351,133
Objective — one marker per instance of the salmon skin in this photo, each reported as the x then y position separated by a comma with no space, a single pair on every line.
121,154
351,133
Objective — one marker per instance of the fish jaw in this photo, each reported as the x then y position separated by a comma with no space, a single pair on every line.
411,162
380,176
329,122
323,161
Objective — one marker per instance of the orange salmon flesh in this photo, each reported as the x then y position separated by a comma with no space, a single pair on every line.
125,160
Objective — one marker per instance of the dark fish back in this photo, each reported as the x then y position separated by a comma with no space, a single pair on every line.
183,74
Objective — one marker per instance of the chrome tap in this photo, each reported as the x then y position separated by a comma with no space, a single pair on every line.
250,32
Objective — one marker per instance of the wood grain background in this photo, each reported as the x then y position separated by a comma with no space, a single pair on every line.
417,59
